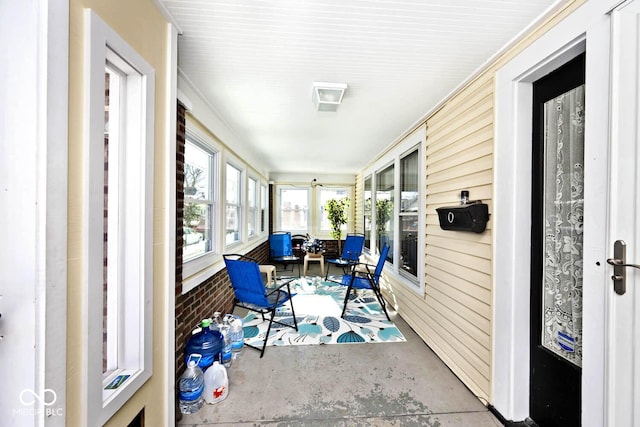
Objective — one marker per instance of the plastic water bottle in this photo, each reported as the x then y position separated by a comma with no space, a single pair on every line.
216,325
205,342
236,333
225,355
191,386
223,327
216,383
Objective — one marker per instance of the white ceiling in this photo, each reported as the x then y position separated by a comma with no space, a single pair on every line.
254,62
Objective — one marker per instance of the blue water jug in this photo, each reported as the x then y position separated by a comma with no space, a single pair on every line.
207,343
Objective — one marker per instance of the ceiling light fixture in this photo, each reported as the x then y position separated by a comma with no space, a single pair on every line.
328,96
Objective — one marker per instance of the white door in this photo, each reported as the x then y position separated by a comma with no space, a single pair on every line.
623,318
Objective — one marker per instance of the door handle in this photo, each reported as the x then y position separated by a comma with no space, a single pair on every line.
619,262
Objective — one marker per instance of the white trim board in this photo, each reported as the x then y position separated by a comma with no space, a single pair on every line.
587,27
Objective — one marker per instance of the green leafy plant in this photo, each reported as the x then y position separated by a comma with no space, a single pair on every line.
337,212
384,210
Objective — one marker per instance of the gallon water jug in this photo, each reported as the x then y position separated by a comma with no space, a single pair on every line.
236,333
191,387
206,342
216,383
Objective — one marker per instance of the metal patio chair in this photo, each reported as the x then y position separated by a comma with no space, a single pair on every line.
250,292
281,250
366,276
353,245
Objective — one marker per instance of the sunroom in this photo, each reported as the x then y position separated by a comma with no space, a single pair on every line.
240,119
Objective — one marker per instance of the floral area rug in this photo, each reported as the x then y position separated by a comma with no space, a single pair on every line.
318,307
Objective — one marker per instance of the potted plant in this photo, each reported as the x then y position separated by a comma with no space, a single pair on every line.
337,212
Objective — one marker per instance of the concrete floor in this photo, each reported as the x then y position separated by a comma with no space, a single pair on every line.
391,384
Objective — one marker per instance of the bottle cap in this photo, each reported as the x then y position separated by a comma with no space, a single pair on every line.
206,323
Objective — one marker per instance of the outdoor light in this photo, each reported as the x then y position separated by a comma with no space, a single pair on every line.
327,96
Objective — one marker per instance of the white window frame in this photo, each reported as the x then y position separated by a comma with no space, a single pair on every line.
278,209
192,267
240,206
264,209
321,214
416,139
135,237
365,213
401,214
253,210
393,196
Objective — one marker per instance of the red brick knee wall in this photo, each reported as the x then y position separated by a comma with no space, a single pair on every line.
214,294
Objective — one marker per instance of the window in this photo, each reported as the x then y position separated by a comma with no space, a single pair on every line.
294,209
252,207
408,220
117,220
234,207
384,209
393,199
263,209
367,212
197,231
324,196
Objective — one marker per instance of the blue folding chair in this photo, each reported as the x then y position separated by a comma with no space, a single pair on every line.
366,276
281,250
353,245
251,294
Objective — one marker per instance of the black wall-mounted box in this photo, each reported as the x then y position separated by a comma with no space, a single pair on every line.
469,217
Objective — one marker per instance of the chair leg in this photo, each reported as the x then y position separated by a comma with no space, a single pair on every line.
272,315
346,300
383,304
293,312
266,337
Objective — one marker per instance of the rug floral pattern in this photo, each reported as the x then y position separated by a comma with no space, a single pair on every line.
364,321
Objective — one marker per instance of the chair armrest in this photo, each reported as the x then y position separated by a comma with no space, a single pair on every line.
363,268
278,287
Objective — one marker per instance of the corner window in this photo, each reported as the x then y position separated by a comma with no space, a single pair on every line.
323,197
117,221
197,231
294,209
233,218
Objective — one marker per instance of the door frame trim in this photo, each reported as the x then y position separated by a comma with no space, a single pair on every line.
622,377
587,26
